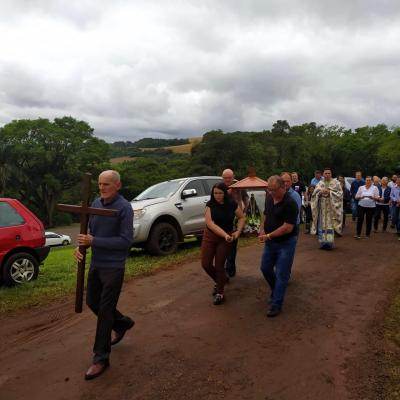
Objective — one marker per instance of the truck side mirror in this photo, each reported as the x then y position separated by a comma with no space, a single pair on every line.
188,193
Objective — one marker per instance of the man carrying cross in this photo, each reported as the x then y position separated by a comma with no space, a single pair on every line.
110,239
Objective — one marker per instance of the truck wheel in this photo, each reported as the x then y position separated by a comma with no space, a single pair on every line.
65,243
163,240
20,268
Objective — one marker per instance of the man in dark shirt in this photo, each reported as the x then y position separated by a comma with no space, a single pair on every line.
279,233
298,186
359,181
110,239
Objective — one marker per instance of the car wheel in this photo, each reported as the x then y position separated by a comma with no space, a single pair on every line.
20,268
163,240
65,243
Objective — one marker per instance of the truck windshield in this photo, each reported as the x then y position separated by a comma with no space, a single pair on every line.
164,189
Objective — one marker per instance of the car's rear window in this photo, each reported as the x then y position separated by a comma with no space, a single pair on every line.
9,216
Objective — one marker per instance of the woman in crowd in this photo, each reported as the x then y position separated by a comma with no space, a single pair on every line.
307,207
346,198
382,205
367,195
218,236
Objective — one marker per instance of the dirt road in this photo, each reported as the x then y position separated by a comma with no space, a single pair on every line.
183,347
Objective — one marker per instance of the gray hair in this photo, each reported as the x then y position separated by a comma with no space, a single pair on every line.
115,176
276,179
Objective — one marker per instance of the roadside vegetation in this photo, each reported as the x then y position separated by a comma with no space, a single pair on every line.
57,277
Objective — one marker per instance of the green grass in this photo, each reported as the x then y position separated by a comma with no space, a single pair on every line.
57,277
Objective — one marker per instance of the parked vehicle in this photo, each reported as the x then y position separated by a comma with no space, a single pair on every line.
168,211
22,243
55,239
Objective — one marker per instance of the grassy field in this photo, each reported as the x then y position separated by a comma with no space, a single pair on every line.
57,276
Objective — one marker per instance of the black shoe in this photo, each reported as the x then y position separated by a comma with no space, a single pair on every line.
273,312
119,335
218,299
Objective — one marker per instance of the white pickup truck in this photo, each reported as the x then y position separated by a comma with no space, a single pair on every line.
168,211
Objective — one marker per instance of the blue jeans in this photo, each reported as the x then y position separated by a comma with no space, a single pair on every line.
354,205
276,266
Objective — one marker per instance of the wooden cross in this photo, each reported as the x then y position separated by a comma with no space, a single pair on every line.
85,211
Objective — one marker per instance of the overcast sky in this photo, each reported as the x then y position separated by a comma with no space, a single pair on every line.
157,68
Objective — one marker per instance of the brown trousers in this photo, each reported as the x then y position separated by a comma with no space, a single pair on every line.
214,251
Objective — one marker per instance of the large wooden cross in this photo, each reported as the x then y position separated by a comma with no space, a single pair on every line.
85,211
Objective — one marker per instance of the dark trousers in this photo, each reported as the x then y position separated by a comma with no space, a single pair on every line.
308,214
381,209
231,259
214,251
368,212
103,290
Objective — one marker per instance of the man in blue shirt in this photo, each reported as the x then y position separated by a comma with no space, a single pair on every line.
359,181
317,177
110,239
395,201
287,180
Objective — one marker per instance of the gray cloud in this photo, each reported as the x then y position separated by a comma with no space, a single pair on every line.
147,68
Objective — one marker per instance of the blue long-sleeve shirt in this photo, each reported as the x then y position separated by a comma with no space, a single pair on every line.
395,193
355,185
297,198
113,236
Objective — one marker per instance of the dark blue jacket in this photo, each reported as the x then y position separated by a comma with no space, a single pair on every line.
386,194
354,187
113,236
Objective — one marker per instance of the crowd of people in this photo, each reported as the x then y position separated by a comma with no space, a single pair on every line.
324,201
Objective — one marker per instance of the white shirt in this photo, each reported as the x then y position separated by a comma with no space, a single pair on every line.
366,201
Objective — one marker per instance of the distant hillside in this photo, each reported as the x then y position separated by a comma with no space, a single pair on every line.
121,151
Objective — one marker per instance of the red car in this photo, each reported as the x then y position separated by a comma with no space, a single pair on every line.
22,243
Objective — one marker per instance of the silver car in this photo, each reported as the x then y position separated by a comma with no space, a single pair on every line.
168,211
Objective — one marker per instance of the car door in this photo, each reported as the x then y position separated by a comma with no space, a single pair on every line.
193,207
11,227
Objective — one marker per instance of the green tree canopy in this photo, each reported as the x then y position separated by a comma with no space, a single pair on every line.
46,159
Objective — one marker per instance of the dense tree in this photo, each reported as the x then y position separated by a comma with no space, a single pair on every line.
46,160
41,162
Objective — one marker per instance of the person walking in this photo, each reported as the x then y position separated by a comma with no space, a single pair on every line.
307,207
359,181
346,198
382,205
279,234
327,209
317,177
367,195
242,199
392,206
395,201
219,235
110,239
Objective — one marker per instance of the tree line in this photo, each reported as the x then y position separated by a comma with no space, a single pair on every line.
42,161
